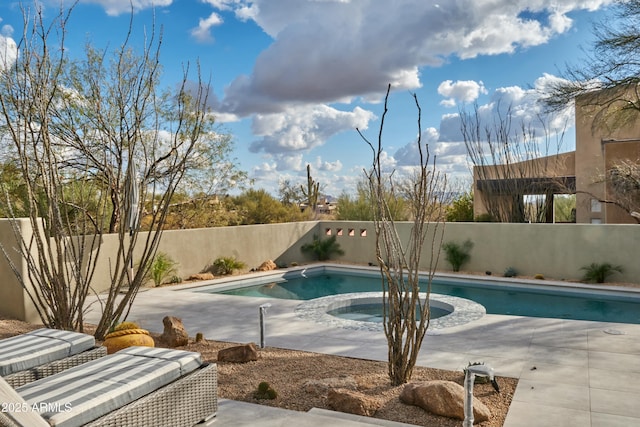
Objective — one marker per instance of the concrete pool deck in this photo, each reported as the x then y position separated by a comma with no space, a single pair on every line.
572,373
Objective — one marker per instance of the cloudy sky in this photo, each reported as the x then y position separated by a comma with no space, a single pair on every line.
293,79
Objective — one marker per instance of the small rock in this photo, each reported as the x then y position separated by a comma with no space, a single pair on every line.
322,387
444,398
239,354
174,334
352,402
201,276
267,266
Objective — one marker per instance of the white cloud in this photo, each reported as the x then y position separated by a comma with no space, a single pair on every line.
303,128
326,166
326,51
408,155
202,32
118,7
8,49
464,91
518,110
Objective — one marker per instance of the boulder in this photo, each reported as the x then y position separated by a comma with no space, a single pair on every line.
352,402
201,276
239,354
322,387
267,266
444,398
174,334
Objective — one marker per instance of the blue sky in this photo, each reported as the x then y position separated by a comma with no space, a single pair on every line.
293,79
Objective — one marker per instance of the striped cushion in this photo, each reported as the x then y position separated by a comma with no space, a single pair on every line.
86,392
41,346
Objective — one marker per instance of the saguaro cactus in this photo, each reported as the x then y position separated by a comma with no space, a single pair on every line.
312,190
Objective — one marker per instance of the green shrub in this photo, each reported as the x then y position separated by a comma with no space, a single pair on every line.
510,272
323,249
598,273
457,254
265,391
485,217
227,265
162,268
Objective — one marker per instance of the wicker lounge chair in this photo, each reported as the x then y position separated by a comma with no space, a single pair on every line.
138,386
43,352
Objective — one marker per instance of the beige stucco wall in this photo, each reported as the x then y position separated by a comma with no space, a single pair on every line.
195,249
595,125
558,251
14,300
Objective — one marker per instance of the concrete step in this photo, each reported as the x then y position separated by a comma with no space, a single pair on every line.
233,413
357,418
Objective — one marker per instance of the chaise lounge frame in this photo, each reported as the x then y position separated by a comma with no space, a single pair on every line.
29,375
186,401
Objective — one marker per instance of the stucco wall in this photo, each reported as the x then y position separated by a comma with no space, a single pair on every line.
14,301
558,251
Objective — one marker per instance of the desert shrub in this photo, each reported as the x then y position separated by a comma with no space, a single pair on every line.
323,249
265,391
227,265
599,273
485,217
162,268
510,272
539,276
457,254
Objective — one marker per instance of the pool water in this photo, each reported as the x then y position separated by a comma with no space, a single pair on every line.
373,312
516,299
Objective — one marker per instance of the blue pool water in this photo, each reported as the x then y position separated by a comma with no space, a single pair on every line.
512,299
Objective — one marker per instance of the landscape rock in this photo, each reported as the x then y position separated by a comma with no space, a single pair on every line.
322,387
201,276
239,354
174,334
352,402
444,398
267,266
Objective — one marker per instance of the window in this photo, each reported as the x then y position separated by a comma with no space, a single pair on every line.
596,206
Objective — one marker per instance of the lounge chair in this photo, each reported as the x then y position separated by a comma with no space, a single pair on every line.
43,352
137,386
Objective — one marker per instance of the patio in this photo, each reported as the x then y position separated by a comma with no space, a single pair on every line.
572,373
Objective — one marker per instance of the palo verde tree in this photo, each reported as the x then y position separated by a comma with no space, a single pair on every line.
358,208
610,72
99,147
406,308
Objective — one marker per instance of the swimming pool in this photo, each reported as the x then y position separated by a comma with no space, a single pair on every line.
497,295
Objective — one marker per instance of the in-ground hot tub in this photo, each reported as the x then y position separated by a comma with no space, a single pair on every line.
334,310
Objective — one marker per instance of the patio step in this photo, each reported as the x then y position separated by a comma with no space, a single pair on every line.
360,420
243,414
